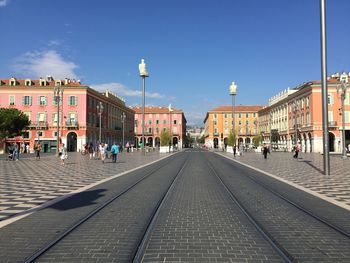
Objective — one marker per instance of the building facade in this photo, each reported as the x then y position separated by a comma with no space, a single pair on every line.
218,124
72,111
296,116
158,119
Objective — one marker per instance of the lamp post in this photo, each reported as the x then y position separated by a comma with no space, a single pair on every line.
233,92
123,116
58,93
296,108
100,110
170,126
143,74
342,88
270,114
326,160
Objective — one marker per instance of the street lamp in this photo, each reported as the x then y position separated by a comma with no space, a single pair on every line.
99,111
170,126
58,93
296,108
342,88
233,92
326,160
270,114
123,116
143,74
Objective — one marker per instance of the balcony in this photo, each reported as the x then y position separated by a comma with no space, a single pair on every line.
71,124
38,125
332,124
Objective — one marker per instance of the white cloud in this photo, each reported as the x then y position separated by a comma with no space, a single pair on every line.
123,91
3,2
44,63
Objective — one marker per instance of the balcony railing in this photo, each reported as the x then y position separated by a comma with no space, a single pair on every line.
38,125
332,124
71,123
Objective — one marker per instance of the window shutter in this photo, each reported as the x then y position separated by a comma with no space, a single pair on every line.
23,100
30,100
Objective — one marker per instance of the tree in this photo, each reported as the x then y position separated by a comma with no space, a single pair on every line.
164,138
257,140
232,137
201,140
12,122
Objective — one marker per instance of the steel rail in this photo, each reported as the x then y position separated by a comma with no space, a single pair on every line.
85,218
147,234
275,245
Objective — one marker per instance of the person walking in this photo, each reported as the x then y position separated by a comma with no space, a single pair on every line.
265,151
296,151
114,151
91,150
64,155
102,152
234,150
37,150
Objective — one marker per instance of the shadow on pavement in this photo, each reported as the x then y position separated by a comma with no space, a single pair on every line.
313,166
79,200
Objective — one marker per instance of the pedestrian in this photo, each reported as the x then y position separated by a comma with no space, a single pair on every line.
37,150
127,147
63,154
115,150
296,151
265,151
91,150
27,148
234,150
102,152
15,152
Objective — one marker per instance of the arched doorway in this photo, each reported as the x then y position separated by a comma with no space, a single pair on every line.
175,141
240,141
331,138
150,141
72,142
157,141
216,142
247,140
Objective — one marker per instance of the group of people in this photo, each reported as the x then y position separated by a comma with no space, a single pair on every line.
15,149
101,151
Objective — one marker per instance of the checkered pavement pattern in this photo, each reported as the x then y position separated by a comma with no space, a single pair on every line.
306,171
29,183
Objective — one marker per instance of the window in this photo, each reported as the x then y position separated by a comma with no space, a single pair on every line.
12,100
27,83
240,123
226,123
215,116
157,130
42,100
41,117
72,117
174,121
225,115
149,130
149,121
239,115
247,122
150,115
330,99
164,121
247,115
27,100
73,100
175,130
157,121
25,135
307,102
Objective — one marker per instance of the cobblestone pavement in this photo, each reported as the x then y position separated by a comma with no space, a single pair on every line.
306,171
29,183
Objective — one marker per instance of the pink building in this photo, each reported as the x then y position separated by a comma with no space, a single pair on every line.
158,119
77,113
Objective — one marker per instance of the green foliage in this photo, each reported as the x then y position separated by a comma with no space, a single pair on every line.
201,140
257,140
12,122
232,137
164,138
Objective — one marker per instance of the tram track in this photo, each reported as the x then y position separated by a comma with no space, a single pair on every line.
277,244
39,253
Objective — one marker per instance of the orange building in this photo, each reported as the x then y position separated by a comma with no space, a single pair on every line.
297,114
218,124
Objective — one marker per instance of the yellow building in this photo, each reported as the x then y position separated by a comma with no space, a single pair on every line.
218,124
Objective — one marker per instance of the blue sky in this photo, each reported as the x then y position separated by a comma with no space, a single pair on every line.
193,49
